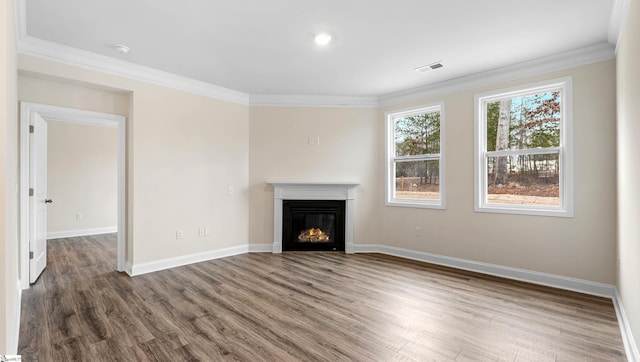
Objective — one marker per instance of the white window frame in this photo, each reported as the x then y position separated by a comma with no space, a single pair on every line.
565,151
391,158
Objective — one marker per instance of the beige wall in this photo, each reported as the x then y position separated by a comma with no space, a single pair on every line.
183,153
349,150
188,150
581,247
628,90
49,90
9,291
82,170
352,149
185,150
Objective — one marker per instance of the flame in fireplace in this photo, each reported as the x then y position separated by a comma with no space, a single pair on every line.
314,235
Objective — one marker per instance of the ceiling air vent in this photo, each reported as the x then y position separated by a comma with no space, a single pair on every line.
429,67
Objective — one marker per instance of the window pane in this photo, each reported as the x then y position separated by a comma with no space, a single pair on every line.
524,122
418,134
524,179
418,180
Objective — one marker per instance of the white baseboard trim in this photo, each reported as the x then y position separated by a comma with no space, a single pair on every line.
261,248
14,323
128,268
81,232
630,347
551,280
143,268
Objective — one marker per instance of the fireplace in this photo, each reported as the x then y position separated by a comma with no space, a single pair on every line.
343,192
313,225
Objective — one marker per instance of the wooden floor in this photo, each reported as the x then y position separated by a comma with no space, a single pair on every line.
301,307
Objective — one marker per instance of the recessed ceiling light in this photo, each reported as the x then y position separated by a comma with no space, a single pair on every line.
428,67
122,49
322,39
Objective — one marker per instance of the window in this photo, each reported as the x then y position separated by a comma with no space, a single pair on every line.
523,150
415,164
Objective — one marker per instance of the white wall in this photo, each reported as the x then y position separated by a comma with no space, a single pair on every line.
183,153
82,173
9,290
628,90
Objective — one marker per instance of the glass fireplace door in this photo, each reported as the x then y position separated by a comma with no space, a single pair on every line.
313,225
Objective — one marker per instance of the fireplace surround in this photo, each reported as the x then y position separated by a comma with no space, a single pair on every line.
284,191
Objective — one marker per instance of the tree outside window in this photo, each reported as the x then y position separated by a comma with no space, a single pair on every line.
415,161
524,159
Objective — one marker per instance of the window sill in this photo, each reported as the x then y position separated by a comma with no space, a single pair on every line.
423,204
520,210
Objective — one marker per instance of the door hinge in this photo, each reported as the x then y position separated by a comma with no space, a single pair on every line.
30,192
31,128
31,255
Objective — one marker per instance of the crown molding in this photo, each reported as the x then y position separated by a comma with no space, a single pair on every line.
28,45
619,10
313,101
574,58
570,59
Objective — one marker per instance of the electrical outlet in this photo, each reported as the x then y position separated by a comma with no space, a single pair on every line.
179,234
79,216
313,141
204,231
230,190
418,231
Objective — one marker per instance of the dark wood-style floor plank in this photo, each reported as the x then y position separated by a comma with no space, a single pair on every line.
302,306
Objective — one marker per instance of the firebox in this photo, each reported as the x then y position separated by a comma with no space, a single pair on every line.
313,225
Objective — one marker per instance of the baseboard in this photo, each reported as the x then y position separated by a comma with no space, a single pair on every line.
81,232
368,248
551,280
630,346
128,268
143,268
557,281
13,337
261,248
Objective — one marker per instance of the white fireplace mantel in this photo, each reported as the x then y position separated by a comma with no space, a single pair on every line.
314,191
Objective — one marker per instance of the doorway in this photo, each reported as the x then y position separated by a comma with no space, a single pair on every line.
29,111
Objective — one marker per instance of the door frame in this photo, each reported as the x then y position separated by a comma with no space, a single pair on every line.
72,115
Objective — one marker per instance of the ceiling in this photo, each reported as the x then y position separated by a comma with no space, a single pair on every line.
265,47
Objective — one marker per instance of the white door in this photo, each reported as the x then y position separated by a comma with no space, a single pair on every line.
38,199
